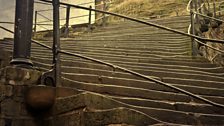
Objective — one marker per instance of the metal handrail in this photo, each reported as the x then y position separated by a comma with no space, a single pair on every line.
133,73
6,22
140,21
49,20
189,28
216,19
45,17
196,13
65,18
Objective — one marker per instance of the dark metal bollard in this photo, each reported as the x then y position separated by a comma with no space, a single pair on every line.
23,33
56,42
194,47
196,10
90,18
67,21
35,23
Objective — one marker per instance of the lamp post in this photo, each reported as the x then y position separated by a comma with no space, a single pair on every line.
23,33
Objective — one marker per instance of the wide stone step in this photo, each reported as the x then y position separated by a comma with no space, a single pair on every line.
82,63
146,42
116,89
126,30
157,59
125,80
116,54
199,86
146,60
177,106
102,103
174,73
194,82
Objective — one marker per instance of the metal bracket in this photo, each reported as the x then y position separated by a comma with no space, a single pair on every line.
48,79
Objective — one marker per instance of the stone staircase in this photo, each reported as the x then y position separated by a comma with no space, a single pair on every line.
107,96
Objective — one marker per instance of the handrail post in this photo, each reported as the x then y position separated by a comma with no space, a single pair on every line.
199,3
209,8
90,18
67,21
194,49
56,43
214,8
204,6
23,33
196,10
35,23
104,15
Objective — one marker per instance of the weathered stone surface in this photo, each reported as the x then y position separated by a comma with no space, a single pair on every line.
2,122
73,118
213,55
6,90
119,125
116,116
30,122
14,82
19,76
94,101
4,58
10,108
65,92
67,104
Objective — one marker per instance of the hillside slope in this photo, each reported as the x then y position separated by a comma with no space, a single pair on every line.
149,8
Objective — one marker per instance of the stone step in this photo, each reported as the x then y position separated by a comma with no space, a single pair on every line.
142,38
92,83
103,103
99,69
175,73
117,54
176,106
212,91
115,42
149,30
194,82
82,63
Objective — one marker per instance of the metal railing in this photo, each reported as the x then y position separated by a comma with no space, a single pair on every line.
194,8
69,17
133,72
57,51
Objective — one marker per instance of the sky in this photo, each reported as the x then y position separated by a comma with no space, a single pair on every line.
7,13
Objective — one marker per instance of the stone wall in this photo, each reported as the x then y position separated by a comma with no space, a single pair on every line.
210,54
15,84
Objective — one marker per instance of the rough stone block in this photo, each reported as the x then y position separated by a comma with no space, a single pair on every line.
19,90
2,122
6,90
10,108
19,76
72,118
23,110
4,58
